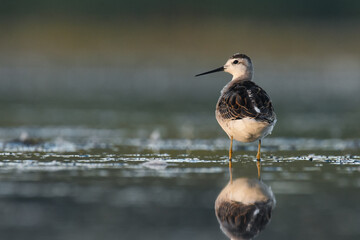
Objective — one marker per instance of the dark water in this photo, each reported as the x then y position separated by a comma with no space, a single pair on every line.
78,182
103,159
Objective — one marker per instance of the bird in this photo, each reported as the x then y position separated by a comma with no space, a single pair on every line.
244,207
244,110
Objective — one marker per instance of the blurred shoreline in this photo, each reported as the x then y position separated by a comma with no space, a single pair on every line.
125,40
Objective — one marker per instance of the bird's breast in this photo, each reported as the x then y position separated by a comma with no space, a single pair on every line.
245,129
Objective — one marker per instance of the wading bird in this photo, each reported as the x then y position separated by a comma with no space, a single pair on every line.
244,110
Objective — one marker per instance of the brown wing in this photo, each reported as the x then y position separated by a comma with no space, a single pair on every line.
245,100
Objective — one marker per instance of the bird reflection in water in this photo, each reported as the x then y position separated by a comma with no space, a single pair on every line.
243,208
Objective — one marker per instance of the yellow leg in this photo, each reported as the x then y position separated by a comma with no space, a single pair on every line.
258,160
230,158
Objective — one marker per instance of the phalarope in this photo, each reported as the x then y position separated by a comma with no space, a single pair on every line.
244,110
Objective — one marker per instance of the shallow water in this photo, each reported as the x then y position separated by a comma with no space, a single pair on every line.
78,182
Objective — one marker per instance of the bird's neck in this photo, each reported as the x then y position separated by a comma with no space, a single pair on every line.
244,76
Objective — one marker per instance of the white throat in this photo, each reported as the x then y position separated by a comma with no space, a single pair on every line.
239,72
242,73
242,76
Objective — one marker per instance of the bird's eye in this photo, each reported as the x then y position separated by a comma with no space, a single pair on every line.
235,62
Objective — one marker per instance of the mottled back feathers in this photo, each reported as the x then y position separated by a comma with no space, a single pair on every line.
244,221
244,99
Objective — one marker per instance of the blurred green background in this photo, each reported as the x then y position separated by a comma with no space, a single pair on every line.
128,63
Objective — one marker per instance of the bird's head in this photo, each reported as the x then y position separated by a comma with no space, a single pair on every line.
239,65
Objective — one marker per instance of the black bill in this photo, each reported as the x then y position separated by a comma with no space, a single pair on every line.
220,69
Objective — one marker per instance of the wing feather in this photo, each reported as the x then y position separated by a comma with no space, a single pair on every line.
245,100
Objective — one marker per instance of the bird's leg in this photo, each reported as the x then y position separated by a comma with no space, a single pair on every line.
230,158
258,160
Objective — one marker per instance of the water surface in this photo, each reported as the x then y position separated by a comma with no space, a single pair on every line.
78,182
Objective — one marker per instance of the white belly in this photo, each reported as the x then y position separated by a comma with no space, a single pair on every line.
246,129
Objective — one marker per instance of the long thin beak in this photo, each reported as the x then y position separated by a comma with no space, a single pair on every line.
220,69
